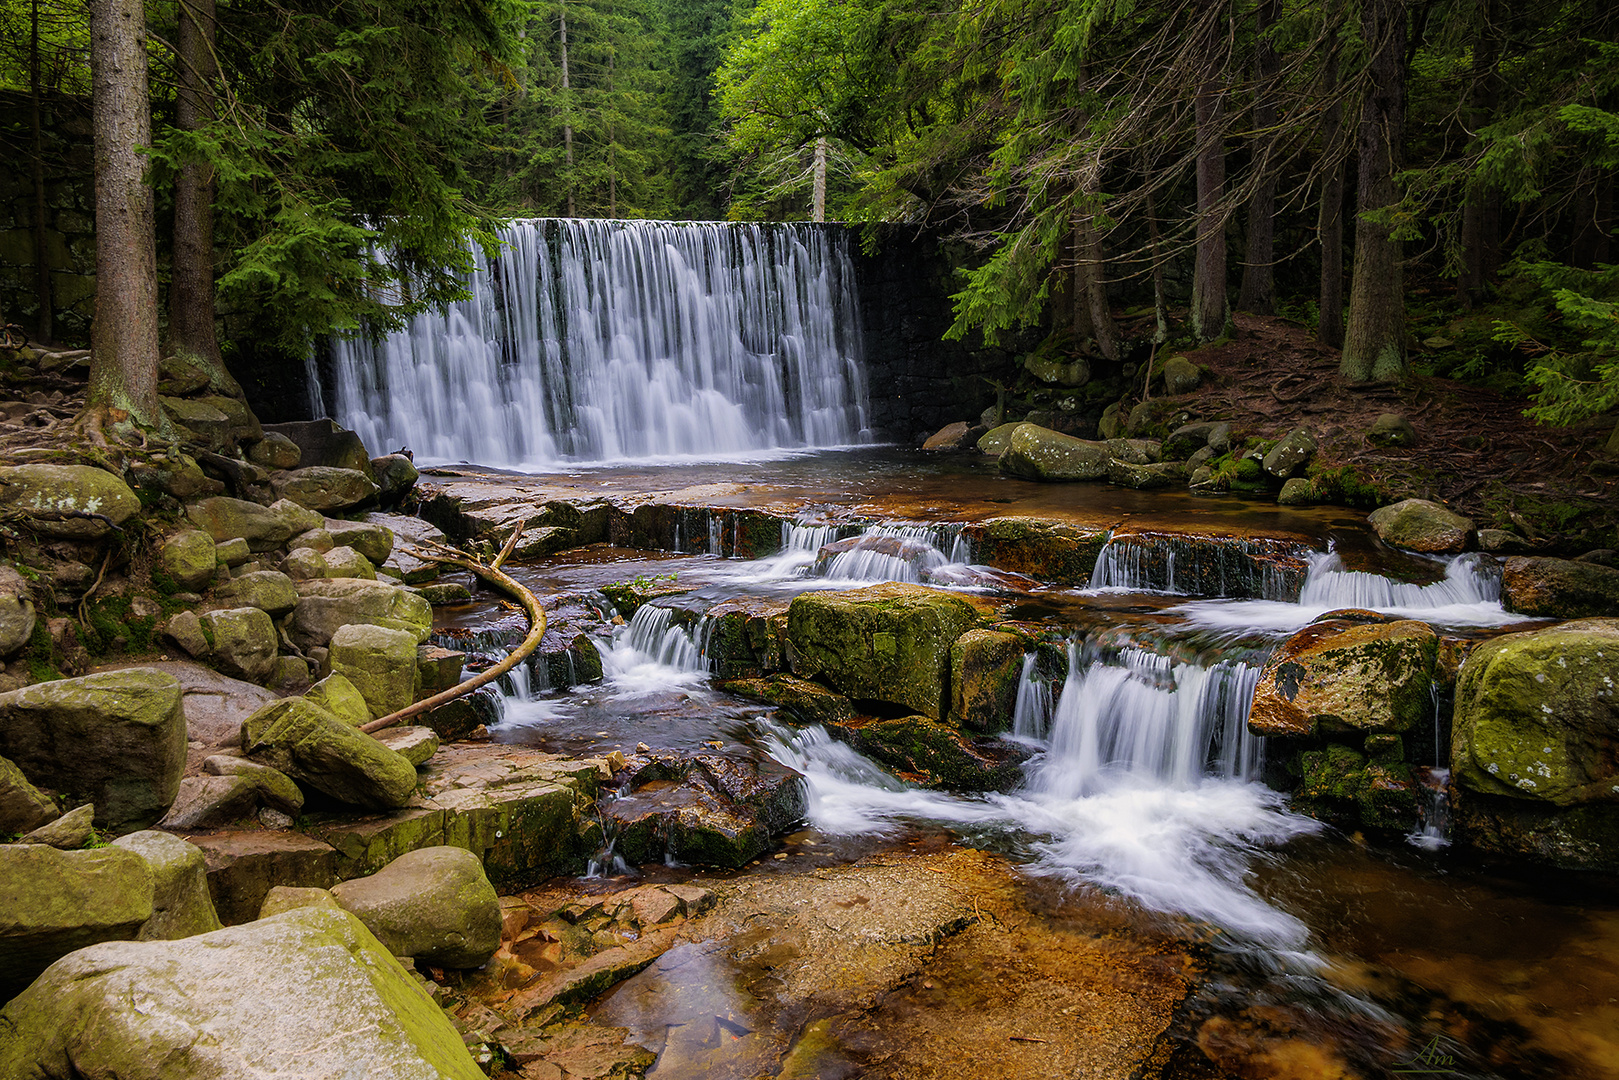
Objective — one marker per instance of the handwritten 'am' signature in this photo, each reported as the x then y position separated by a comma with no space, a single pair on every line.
1429,1060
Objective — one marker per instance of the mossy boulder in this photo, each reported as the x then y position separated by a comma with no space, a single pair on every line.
1537,715
310,987
1289,456
345,562
270,591
803,701
929,753
324,605
1037,453
181,906
1049,551
1420,525
1338,675
243,641
188,557
433,904
1181,376
208,426
340,697
373,540
318,750
380,663
1145,477
995,441
117,738
53,902
68,501
275,452
985,666
225,519
887,643
23,807
1559,588
1584,836
1342,783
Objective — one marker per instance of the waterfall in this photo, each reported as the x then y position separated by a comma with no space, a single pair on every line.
1469,579
590,340
653,637
1031,714
1141,713
887,553
1201,566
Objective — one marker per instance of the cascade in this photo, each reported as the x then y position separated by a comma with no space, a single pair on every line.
888,553
585,340
1031,714
653,637
1201,566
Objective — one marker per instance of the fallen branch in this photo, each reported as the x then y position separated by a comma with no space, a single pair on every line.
495,576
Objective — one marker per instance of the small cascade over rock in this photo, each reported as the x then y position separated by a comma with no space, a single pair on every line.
654,638
888,553
592,340
1251,567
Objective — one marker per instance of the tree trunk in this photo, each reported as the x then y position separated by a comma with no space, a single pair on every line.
1211,309
818,195
1331,221
1374,343
123,363
1159,303
191,287
1090,285
1258,293
567,107
1481,207
42,265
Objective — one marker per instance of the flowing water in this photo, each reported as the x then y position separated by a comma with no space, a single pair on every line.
611,340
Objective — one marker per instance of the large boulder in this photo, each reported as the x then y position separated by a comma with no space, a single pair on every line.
1341,676
270,591
224,518
321,488
189,558
1181,376
274,787
342,699
1037,453
17,615
985,667
118,738
1537,715
23,807
53,902
275,452
995,441
241,425
211,802
381,663
297,737
181,906
78,502
1420,525
396,475
1289,457
433,904
888,643
323,442
1050,551
244,642
308,993
208,426
324,605
345,562
950,437
372,539
1559,588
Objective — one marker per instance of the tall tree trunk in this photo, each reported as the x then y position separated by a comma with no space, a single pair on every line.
1090,285
1258,293
1330,223
1160,305
191,287
818,194
1374,343
42,265
1481,206
567,106
123,335
1211,309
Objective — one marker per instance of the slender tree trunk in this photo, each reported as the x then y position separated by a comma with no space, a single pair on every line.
1481,206
1090,284
1258,293
42,265
567,106
818,195
1374,341
123,363
192,329
1330,223
1159,304
1211,308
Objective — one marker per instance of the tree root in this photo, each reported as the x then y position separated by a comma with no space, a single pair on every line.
492,574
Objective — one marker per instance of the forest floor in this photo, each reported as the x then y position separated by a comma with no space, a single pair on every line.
1475,450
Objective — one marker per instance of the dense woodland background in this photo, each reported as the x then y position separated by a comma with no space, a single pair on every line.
1419,182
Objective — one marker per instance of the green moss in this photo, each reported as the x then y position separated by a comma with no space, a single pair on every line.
43,661
1345,485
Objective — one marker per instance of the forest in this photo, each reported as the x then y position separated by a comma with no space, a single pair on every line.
1387,174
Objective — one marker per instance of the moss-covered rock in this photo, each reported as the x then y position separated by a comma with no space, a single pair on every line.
53,902
1340,783
1537,715
1290,456
887,643
340,697
315,748
380,663
370,538
322,488
243,642
1584,837
804,702
926,752
311,987
1559,588
985,666
433,904
1420,525
67,500
324,605
1037,453
270,591
1145,477
181,906
995,441
227,519
117,738
188,558
23,807
1048,551
1338,675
